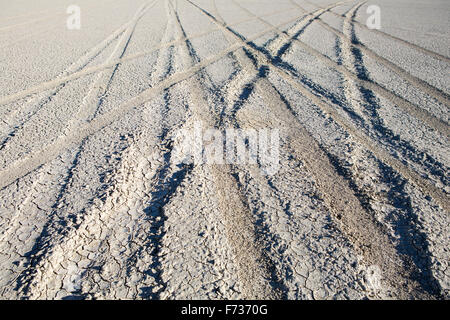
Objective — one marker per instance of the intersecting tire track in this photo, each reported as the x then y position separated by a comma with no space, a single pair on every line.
81,277
426,186
352,60
294,31
389,36
361,228
120,232
43,245
248,255
37,103
420,113
427,88
25,165
98,267
43,86
138,191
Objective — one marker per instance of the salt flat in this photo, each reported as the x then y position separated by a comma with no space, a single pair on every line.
98,202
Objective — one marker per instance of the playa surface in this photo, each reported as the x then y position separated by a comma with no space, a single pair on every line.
96,202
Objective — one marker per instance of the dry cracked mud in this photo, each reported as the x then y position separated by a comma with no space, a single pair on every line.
95,204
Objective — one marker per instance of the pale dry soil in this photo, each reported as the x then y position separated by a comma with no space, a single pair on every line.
95,204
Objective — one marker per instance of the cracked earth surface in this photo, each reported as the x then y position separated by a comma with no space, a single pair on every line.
95,205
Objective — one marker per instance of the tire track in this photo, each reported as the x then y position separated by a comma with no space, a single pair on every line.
174,245
24,279
364,101
42,244
352,61
24,166
114,233
248,256
98,90
119,236
35,104
279,44
361,228
118,217
271,96
352,92
54,212
25,222
427,88
248,79
42,31
282,49
237,79
41,274
77,74
219,17
241,205
98,274
426,186
275,244
386,35
419,113
2,29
